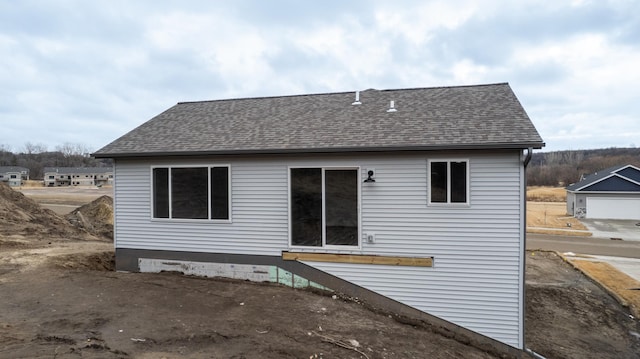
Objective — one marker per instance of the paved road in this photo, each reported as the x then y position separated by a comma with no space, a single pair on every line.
584,245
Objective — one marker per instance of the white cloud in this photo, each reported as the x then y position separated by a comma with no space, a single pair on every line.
465,71
590,102
96,70
348,54
418,22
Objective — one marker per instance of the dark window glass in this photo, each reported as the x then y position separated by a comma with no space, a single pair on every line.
306,206
189,193
219,193
161,193
439,182
341,207
458,182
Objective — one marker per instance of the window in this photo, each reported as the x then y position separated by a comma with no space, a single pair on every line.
324,206
448,181
191,192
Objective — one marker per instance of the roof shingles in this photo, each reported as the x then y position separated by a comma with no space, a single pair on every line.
488,116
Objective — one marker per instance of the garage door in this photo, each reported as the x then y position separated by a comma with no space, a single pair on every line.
613,208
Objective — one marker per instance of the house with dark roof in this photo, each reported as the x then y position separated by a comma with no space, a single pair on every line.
14,176
77,176
613,193
412,200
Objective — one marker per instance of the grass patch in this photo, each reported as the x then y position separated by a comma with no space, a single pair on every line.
546,194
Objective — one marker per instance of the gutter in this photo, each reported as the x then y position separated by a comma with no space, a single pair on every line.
280,151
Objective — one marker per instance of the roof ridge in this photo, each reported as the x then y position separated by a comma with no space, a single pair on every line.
340,93
446,87
265,97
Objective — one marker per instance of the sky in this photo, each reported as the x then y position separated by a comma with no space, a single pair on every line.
87,72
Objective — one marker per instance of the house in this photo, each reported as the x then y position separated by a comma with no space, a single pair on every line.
14,176
77,176
412,200
613,193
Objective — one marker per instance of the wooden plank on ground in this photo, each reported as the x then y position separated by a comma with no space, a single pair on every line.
358,259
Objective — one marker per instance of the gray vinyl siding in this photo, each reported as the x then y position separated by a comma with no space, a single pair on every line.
476,279
571,203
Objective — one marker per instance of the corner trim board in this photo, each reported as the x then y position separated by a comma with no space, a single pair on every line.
358,259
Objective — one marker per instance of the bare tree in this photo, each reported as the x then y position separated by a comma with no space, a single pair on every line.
34,148
69,149
7,158
562,168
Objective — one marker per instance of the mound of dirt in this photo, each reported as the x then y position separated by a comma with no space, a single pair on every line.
96,217
21,218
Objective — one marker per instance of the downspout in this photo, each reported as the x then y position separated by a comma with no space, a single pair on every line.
527,159
525,162
534,354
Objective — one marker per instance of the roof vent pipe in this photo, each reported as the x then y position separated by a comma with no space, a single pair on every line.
357,101
392,107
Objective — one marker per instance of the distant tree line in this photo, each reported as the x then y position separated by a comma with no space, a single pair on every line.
562,168
36,157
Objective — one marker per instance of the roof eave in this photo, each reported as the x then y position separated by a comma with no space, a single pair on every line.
492,146
605,192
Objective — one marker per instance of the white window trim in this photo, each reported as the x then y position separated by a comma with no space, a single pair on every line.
467,203
193,220
324,247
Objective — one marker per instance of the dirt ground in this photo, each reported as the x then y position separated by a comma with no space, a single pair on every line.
79,312
623,287
63,200
60,298
569,316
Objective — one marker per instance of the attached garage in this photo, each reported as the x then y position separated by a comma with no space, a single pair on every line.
613,208
613,193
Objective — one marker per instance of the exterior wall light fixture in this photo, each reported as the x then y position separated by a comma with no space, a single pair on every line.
370,174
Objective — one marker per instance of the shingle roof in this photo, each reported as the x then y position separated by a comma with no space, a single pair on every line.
67,170
7,169
610,179
481,116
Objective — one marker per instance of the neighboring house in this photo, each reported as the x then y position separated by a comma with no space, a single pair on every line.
413,200
77,176
613,193
14,176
